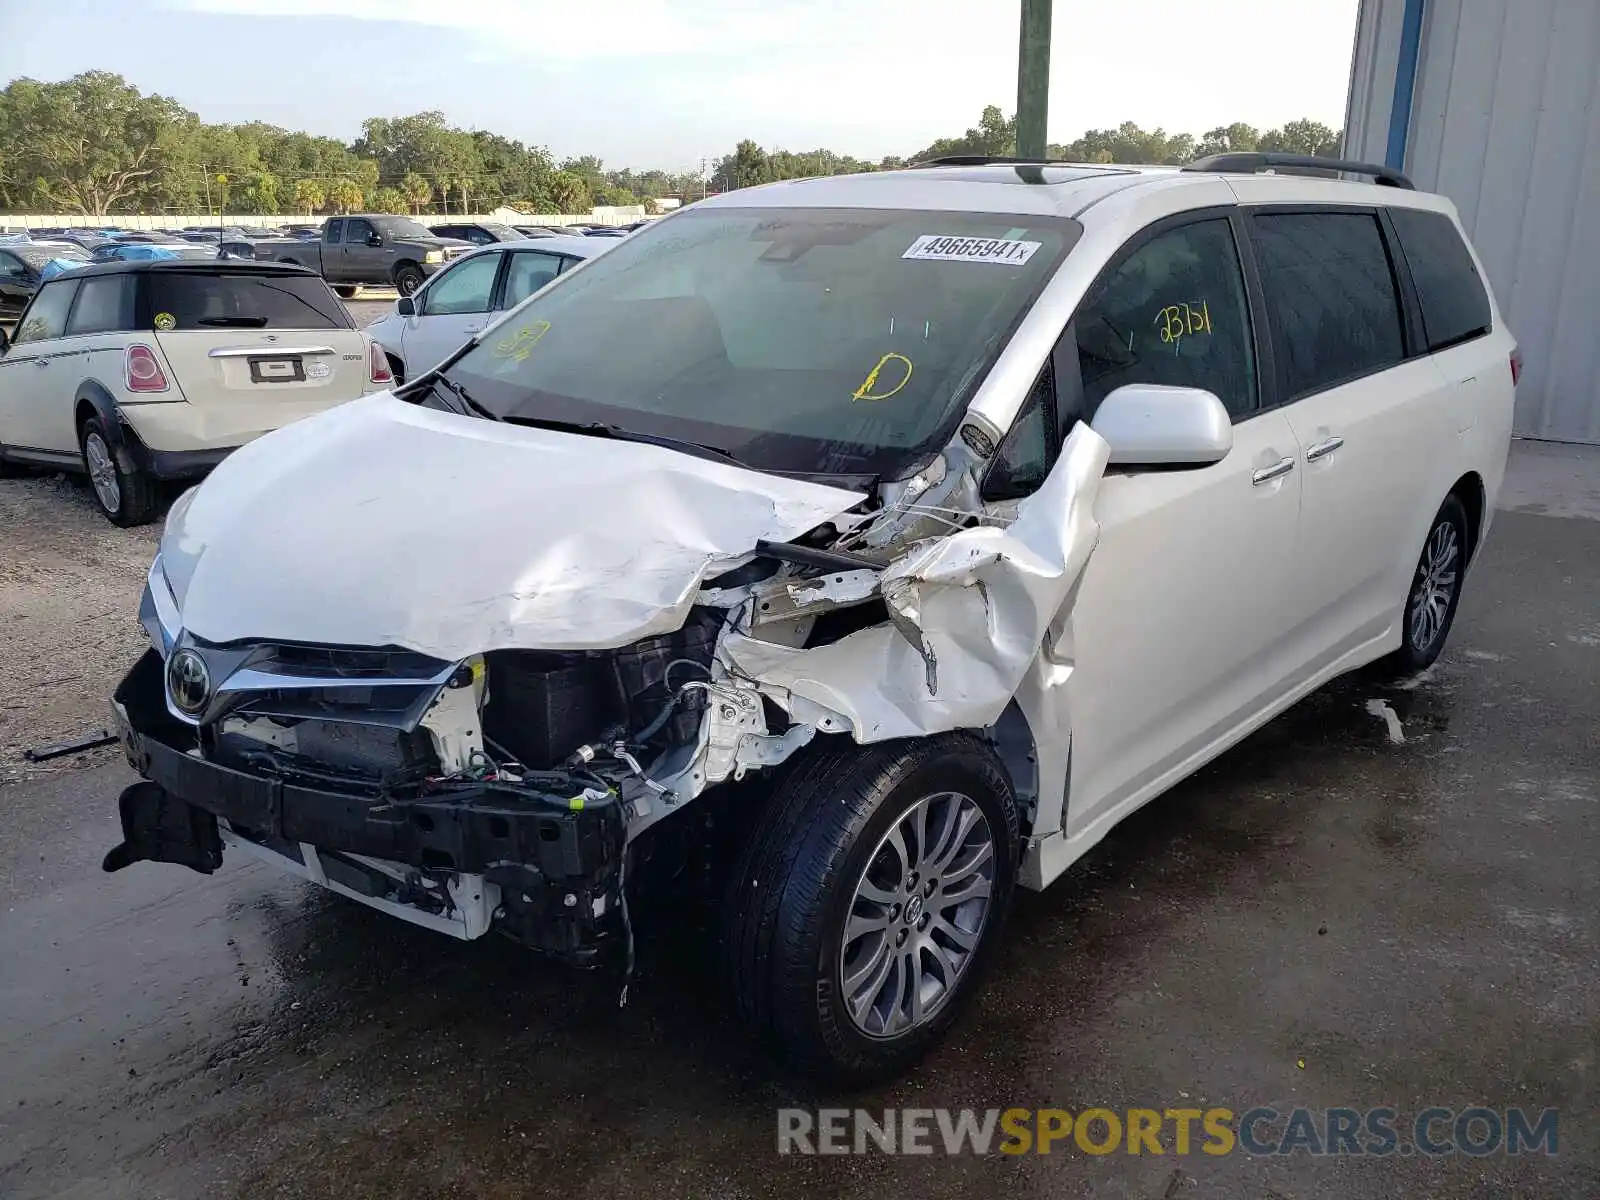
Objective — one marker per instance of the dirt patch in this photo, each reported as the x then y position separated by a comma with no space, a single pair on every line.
69,617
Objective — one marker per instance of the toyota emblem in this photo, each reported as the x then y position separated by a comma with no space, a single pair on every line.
188,682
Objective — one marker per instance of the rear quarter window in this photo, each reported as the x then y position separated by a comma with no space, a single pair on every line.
195,300
105,305
1455,304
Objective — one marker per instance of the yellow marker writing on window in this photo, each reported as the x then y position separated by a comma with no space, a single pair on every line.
520,343
866,392
1179,320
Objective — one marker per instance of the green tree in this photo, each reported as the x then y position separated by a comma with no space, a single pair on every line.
388,200
569,193
1302,137
1229,139
345,194
89,143
309,195
994,134
417,190
258,192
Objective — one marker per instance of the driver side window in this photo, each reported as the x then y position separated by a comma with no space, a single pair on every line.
357,232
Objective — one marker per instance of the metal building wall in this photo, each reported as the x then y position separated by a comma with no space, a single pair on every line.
1505,120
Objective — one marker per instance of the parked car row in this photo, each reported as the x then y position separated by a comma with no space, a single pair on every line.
462,300
134,372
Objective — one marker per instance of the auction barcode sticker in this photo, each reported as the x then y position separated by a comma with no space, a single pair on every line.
939,247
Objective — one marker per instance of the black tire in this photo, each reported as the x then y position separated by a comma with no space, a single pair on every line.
408,278
345,291
132,499
1435,592
795,889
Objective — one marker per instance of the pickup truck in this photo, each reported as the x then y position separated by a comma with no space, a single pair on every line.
371,249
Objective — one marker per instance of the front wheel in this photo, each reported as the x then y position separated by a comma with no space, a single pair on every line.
407,278
868,901
126,494
345,291
1435,592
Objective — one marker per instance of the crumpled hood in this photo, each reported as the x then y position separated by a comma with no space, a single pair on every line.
380,523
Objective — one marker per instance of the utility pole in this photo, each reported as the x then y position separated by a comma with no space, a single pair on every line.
1033,78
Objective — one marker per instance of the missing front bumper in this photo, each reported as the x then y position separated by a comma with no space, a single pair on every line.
544,866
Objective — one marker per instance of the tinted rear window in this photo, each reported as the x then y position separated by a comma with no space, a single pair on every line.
195,300
1331,298
1455,306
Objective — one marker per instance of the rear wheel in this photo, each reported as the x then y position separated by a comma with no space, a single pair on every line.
125,493
1435,589
344,291
407,278
868,901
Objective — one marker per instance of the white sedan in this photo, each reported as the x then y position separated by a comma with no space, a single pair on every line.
460,301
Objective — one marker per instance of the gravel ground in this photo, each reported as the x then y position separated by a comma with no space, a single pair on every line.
69,616
69,609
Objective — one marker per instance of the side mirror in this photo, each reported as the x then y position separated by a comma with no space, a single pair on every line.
1150,425
405,306
374,239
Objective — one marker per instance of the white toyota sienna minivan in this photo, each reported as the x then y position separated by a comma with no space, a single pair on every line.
870,545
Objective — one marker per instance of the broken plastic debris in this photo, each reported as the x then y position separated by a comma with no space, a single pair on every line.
1390,718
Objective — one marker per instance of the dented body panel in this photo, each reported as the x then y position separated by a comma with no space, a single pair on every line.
491,536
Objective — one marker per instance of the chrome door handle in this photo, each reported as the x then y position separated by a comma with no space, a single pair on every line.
1277,470
41,362
1323,448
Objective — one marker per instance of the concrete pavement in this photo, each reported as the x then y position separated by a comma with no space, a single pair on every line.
1319,918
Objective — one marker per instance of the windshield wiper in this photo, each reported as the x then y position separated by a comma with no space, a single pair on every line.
623,434
466,405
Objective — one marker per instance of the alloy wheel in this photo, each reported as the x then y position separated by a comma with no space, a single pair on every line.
102,472
917,915
1435,587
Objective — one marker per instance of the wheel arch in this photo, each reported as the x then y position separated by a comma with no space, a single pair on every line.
1474,498
93,400
1013,741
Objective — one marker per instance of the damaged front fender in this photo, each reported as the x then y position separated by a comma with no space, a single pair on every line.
968,613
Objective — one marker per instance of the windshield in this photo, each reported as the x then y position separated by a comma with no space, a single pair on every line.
405,227
825,341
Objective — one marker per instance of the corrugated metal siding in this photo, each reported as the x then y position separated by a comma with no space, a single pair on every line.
1506,122
1377,57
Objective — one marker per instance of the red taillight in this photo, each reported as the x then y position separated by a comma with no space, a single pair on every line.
1516,367
143,370
379,371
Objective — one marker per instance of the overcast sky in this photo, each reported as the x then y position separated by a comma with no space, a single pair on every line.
661,83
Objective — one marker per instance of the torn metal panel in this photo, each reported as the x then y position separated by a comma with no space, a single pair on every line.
494,536
970,612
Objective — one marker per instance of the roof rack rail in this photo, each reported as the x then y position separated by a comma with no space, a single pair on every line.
1254,162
